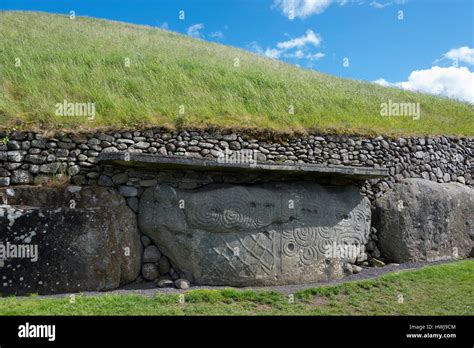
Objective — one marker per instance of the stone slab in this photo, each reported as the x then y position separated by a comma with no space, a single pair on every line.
87,239
266,234
148,161
423,221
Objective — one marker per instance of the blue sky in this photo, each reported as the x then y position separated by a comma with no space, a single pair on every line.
428,46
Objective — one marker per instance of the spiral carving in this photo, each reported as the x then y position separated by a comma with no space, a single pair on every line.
305,236
237,210
309,255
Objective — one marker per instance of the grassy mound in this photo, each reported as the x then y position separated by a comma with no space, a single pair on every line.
46,59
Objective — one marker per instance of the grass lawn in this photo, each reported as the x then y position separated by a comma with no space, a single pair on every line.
446,289
46,59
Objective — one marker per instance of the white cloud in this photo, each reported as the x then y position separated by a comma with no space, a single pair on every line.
306,8
195,30
217,35
384,83
269,52
316,56
294,48
298,54
164,26
461,54
303,8
452,82
254,46
376,4
272,53
309,38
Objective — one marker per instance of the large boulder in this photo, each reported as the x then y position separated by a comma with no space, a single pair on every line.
423,221
86,238
242,235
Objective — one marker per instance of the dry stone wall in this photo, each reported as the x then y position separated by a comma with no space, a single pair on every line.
27,158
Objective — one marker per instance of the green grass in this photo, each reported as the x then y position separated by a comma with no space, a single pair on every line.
83,60
446,289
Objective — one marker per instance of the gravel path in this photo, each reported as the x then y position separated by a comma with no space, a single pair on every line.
150,289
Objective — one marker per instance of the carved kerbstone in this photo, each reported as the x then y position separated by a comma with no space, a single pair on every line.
276,233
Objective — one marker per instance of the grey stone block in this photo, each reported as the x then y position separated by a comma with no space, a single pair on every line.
258,234
420,220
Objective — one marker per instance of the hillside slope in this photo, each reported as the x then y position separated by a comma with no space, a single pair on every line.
46,59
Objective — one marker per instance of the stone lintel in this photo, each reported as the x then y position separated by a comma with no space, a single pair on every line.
154,162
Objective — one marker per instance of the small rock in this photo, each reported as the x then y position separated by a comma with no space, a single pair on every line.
164,282
73,170
14,145
234,145
21,177
141,145
50,168
92,175
151,254
229,137
347,268
36,159
93,141
133,203
150,271
104,180
356,269
368,146
106,137
4,181
148,183
15,156
110,149
39,143
4,172
34,169
145,241
376,263
79,180
128,191
402,142
148,133
419,154
181,283
120,178
170,147
74,189
125,141
446,177
62,145
164,265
